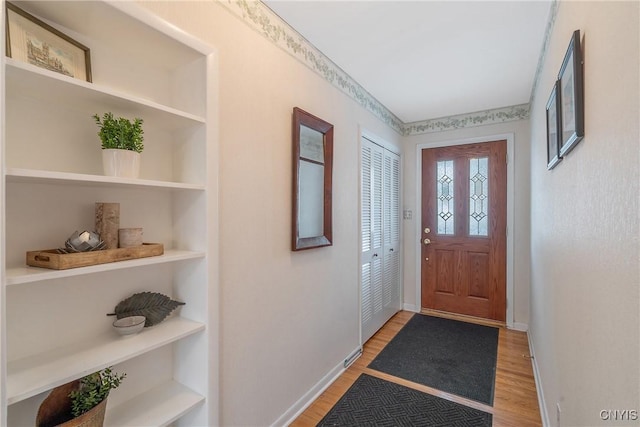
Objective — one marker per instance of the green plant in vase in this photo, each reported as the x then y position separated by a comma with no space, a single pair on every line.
120,133
93,390
121,144
79,403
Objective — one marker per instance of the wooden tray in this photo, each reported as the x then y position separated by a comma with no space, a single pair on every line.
50,258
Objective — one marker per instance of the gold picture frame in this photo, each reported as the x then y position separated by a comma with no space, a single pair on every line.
35,42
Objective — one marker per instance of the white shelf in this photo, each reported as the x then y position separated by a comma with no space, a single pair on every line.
159,406
137,29
49,87
18,175
148,68
20,275
36,374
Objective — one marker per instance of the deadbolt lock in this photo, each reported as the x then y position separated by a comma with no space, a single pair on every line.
427,230
427,241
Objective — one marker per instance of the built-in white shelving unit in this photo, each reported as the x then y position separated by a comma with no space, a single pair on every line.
53,322
41,84
29,175
159,406
19,275
41,372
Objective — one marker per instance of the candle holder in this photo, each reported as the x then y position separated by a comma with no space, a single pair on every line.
86,241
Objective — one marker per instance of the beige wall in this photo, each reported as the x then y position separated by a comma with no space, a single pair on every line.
520,156
585,300
287,319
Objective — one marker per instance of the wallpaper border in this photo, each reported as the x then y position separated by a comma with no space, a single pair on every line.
258,16
480,118
262,19
553,12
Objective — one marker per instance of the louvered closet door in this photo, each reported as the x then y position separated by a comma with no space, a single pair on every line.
391,235
380,285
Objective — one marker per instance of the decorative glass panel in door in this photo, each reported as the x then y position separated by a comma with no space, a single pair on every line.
479,196
445,197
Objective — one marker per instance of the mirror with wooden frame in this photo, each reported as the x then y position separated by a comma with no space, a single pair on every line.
312,168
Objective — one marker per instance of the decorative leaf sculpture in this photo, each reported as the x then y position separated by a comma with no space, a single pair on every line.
152,305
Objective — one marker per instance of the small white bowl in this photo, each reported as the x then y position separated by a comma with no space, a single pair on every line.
129,325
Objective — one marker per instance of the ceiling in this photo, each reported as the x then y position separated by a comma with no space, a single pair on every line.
428,59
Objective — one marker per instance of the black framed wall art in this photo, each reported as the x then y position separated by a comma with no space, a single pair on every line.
553,126
571,94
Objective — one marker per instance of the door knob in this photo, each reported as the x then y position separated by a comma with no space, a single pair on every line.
427,241
427,230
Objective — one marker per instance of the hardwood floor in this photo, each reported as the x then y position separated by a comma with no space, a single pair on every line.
515,401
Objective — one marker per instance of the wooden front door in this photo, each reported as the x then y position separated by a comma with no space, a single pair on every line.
464,224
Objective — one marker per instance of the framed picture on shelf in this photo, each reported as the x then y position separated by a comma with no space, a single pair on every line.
571,96
553,125
35,42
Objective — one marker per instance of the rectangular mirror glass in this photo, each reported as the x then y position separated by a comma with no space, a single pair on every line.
310,200
312,168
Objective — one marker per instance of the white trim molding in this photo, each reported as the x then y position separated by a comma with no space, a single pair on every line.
310,396
263,20
544,414
510,138
378,140
411,307
517,326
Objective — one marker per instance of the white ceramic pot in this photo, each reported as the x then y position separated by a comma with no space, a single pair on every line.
121,163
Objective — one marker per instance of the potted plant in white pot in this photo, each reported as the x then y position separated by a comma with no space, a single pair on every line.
121,145
80,403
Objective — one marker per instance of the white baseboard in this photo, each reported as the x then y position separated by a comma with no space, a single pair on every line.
310,396
544,414
516,326
411,307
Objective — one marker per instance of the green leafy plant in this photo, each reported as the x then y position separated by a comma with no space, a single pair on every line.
120,132
94,389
